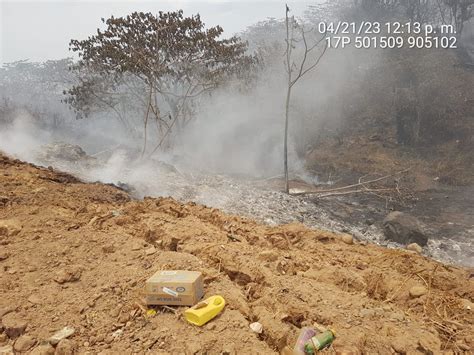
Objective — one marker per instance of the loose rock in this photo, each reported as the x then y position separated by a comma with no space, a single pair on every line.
268,255
14,326
60,335
68,275
65,347
366,312
414,247
418,291
150,251
9,227
6,310
43,349
34,299
4,255
347,238
403,228
256,327
466,304
24,343
108,249
398,345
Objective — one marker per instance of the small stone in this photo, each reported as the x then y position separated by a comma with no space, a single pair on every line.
61,334
70,274
418,291
268,255
86,344
211,326
14,326
124,317
366,312
193,347
429,345
150,251
3,338
466,304
108,249
136,247
347,238
256,327
65,347
4,255
414,247
4,200
6,310
10,227
24,343
397,316
114,312
398,345
34,299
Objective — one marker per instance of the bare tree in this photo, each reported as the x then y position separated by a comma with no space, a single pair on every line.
297,69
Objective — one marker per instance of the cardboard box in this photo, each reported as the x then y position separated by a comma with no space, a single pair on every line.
174,287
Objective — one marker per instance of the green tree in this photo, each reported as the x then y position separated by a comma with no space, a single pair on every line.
166,61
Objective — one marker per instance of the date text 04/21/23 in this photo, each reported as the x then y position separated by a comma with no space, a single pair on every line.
387,28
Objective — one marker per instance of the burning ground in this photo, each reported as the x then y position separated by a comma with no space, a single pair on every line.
76,254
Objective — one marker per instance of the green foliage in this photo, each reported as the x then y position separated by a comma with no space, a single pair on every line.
166,61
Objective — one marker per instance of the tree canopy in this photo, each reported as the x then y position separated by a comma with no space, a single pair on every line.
167,60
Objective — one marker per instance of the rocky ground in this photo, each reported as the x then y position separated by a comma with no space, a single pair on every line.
76,255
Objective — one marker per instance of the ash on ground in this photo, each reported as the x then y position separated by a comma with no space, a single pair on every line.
261,199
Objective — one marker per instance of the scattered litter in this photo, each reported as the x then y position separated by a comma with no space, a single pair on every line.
151,313
320,341
204,311
305,335
257,327
117,333
175,288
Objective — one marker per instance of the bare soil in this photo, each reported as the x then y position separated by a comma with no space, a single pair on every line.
77,254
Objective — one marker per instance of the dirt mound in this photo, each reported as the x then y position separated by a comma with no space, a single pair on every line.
77,255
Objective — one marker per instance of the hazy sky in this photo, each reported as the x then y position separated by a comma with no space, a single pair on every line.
40,30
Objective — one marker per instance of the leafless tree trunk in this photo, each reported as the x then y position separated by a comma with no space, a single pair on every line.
301,70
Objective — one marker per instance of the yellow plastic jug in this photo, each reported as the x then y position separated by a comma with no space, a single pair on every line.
204,311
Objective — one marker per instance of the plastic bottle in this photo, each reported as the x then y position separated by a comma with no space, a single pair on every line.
320,341
305,335
204,311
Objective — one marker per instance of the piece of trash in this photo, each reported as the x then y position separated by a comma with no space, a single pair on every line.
174,288
151,313
204,311
305,335
117,334
257,327
320,341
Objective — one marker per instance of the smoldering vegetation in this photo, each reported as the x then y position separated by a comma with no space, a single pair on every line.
237,127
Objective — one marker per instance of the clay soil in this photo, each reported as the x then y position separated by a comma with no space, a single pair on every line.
76,254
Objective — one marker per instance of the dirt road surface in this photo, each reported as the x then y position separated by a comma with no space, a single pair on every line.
75,254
